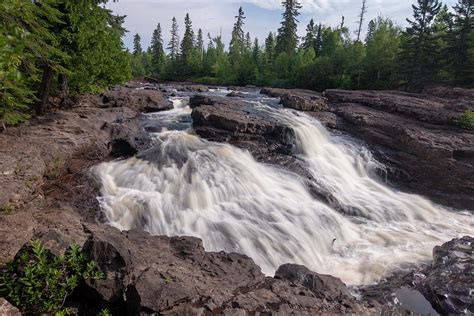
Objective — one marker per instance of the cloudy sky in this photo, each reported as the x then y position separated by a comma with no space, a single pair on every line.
214,16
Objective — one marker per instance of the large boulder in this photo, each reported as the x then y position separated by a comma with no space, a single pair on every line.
298,99
449,284
138,99
239,123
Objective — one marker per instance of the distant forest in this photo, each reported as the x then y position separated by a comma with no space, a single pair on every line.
437,46
62,48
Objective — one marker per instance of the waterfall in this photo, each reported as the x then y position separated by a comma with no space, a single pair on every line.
185,185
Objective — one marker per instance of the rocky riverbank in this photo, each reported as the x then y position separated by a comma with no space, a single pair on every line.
47,193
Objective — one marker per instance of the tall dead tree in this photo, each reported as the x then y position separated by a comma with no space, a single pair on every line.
363,11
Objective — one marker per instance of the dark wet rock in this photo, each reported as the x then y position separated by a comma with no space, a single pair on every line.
323,286
298,99
450,282
223,119
235,94
139,99
409,105
192,88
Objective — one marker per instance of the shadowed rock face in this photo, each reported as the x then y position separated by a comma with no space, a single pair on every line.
449,284
414,135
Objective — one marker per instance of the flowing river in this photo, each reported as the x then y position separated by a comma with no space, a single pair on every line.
186,185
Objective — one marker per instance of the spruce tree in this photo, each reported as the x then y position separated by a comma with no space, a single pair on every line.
270,48
287,39
309,41
319,40
137,46
157,52
237,43
173,45
200,44
419,49
460,38
187,44
248,42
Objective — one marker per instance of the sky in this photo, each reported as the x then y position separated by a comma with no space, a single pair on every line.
263,16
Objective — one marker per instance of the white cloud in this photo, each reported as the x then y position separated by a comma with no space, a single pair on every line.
215,16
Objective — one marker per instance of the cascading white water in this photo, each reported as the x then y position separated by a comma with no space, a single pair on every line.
189,186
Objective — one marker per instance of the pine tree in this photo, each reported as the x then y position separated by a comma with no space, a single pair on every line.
248,42
137,46
270,48
237,43
157,52
319,40
419,50
309,41
173,45
287,39
200,45
460,40
187,44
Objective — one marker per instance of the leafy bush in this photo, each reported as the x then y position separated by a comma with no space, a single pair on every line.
38,282
466,121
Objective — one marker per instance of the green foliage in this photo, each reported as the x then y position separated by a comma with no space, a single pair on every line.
40,40
37,282
466,121
105,312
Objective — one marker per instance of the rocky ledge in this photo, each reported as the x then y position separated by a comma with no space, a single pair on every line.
415,135
174,276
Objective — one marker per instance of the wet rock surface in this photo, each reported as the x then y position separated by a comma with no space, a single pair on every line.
450,282
238,123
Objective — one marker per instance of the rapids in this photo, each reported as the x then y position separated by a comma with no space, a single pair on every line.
185,185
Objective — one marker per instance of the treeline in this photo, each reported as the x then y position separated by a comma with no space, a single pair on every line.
437,46
57,47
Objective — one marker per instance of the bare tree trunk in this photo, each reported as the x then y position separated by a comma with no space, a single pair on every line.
64,91
43,93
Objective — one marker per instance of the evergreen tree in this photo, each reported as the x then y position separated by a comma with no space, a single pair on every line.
270,47
200,45
287,39
248,42
137,46
319,40
157,52
237,43
309,41
460,40
419,50
173,45
187,46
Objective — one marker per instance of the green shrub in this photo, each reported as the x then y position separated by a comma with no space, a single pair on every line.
38,282
466,121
